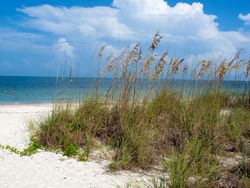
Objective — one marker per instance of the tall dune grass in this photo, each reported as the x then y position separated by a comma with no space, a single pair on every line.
148,122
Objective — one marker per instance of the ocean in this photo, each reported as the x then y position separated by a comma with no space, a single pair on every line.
22,89
19,90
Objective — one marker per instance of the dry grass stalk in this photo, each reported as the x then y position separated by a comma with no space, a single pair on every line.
193,74
100,52
237,66
175,63
156,41
205,66
110,58
114,61
247,69
222,70
147,64
132,56
108,68
235,58
135,53
159,67
131,78
185,69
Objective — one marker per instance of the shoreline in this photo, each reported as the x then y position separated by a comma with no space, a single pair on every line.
26,104
30,111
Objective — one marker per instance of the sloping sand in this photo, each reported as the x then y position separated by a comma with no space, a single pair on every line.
46,169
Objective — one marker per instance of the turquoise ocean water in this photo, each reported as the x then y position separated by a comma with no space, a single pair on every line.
18,90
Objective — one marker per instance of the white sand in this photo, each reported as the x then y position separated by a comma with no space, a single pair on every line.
46,169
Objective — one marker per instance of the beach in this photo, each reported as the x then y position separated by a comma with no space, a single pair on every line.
47,169
125,94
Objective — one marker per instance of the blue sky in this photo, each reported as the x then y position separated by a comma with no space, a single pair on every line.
38,36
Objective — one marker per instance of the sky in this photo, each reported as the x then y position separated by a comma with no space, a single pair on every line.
44,37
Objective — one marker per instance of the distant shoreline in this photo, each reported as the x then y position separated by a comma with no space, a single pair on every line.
38,104
25,103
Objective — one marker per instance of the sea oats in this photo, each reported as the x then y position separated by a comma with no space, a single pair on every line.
108,68
247,69
185,69
237,66
176,64
159,67
148,63
131,78
235,58
205,66
110,58
156,41
193,74
222,70
135,53
100,52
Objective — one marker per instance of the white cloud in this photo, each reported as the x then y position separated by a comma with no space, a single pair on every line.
182,19
245,18
126,19
186,27
63,49
94,22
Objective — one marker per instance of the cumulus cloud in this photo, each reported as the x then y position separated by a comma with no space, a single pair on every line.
186,27
245,18
63,49
125,19
94,22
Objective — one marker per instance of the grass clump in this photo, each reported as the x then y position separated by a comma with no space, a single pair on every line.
194,162
145,119
63,131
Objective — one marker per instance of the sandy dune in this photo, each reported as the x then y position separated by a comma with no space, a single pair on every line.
46,169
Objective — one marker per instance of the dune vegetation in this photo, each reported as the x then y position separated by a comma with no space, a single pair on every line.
150,122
